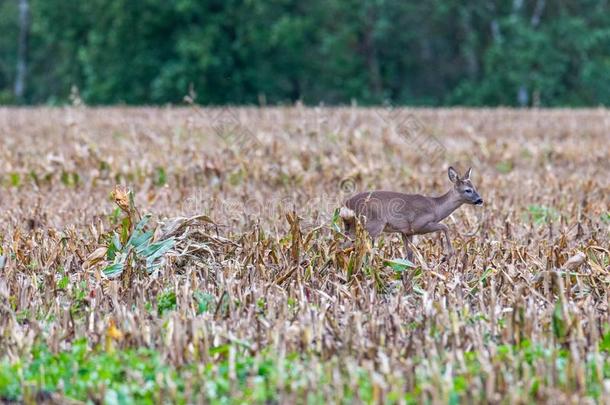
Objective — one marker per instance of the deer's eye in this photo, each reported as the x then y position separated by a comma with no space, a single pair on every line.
468,191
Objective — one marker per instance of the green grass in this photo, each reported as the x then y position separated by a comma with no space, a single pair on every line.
128,376
142,376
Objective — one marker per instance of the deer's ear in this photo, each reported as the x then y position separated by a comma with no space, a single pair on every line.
467,176
453,175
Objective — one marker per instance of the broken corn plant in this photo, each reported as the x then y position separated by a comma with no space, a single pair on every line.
130,247
139,247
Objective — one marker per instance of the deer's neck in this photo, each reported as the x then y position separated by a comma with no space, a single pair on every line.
446,204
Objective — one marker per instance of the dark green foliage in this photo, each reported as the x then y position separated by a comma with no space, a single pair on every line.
320,51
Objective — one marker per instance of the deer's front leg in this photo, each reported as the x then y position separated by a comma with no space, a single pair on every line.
436,227
408,240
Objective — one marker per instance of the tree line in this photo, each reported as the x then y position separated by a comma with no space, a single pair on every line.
433,52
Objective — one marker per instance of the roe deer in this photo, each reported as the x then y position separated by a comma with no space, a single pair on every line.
409,214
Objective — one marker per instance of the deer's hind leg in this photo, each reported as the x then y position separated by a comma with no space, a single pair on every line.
374,228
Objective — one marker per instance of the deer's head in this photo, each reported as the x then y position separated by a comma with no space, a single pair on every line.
464,187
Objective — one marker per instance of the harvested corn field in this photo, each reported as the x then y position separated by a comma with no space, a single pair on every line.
194,255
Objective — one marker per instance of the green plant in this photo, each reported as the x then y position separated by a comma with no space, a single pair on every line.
400,265
15,179
541,214
160,178
205,302
166,302
70,179
63,282
504,167
139,247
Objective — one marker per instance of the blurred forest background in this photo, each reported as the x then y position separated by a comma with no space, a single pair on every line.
433,52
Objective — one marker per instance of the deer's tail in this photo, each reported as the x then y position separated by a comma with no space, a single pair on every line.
349,219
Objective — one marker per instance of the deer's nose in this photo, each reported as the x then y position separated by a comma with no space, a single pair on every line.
479,201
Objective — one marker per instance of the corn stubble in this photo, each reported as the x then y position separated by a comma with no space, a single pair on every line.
520,314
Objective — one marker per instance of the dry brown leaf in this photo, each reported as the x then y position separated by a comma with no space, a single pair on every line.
575,261
121,198
95,257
